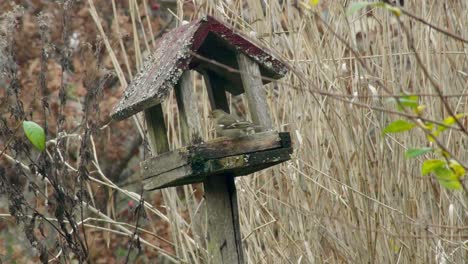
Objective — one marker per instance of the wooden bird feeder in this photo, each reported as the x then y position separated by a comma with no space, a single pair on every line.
228,62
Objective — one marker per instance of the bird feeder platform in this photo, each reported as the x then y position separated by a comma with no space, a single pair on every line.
237,157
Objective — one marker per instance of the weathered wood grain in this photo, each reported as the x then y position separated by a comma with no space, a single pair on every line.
253,86
224,241
193,168
165,162
156,129
198,171
217,148
172,178
216,91
188,110
230,147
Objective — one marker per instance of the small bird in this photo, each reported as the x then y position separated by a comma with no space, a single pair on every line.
229,125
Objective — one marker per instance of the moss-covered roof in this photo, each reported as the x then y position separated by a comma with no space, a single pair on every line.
192,46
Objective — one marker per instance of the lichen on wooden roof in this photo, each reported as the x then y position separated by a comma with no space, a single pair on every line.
173,55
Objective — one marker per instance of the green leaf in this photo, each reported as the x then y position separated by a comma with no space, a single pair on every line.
445,174
411,101
419,110
453,185
450,121
432,136
354,7
398,126
430,165
429,126
411,153
35,134
457,169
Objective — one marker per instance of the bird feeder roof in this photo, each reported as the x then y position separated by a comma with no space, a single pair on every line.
204,44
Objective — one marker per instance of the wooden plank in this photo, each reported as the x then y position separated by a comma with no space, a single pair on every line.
224,242
239,165
157,134
176,177
253,86
233,146
216,91
163,163
188,110
217,148
156,129
161,71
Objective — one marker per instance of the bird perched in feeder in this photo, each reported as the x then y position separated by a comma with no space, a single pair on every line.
231,126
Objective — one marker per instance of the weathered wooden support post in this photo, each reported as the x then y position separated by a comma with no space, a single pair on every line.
252,81
210,47
224,241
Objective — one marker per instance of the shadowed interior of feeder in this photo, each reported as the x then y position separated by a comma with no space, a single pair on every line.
223,53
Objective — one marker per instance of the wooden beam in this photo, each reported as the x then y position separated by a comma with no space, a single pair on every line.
224,243
170,178
194,170
156,129
253,86
165,162
188,110
217,148
216,91
224,235
234,146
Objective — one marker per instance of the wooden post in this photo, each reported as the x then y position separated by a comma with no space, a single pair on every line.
253,86
191,134
156,128
157,136
188,111
216,91
224,236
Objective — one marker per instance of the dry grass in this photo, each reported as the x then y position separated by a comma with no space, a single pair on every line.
348,195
